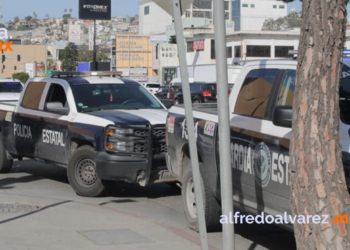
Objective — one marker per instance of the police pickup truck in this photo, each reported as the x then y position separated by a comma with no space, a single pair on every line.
260,119
101,128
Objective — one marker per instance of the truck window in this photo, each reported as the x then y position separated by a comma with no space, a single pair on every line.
57,94
32,96
286,92
255,93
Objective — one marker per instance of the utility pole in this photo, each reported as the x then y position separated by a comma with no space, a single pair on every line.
224,123
94,57
190,123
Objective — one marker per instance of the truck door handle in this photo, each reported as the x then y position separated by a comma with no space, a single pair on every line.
271,140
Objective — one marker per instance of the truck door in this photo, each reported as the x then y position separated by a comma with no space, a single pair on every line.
26,119
54,128
260,170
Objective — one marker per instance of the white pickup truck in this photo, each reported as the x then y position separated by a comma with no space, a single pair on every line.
100,128
260,118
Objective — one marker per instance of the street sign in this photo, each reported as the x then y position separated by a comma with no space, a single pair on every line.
168,5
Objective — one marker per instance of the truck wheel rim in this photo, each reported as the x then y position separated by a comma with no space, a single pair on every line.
86,172
191,199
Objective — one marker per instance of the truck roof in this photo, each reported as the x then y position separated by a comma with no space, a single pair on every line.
79,80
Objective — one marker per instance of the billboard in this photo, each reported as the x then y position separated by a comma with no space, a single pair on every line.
91,37
74,33
95,10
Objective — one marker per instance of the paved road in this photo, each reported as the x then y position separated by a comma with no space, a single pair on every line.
154,212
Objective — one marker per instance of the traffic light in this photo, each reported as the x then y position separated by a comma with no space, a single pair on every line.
18,58
3,58
172,40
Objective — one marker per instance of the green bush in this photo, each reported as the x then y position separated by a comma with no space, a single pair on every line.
22,76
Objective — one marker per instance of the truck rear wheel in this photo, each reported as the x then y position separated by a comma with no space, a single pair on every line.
82,173
5,164
212,207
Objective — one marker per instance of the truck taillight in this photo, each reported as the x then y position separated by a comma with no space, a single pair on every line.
206,94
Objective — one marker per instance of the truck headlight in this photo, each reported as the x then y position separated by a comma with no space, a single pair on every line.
118,132
114,139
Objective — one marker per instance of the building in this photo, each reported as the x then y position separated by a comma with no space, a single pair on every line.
134,57
21,55
251,14
246,14
152,18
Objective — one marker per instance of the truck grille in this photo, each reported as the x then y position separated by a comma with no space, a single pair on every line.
141,142
158,136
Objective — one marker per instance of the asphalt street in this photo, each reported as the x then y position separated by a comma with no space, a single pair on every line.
49,215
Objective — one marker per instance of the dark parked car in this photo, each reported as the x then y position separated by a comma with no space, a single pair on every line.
200,93
166,94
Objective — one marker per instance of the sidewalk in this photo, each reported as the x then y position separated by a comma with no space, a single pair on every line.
66,224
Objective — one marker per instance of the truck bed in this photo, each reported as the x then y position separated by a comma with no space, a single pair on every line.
9,106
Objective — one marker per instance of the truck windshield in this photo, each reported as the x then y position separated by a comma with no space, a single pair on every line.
10,87
90,97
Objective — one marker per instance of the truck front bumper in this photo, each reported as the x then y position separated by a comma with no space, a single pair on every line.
121,168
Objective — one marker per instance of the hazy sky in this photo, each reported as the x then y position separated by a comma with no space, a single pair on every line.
55,8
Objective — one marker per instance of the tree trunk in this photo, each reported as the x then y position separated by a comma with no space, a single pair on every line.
318,184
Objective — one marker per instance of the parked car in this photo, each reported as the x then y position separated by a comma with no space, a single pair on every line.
200,93
152,87
166,94
260,120
10,90
178,81
100,128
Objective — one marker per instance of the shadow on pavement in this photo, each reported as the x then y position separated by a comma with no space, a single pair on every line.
153,191
7,183
34,212
38,171
269,236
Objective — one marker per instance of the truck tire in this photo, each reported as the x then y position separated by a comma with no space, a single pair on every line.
5,164
82,174
212,207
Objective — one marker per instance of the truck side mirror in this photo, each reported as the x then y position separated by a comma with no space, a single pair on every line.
282,116
57,108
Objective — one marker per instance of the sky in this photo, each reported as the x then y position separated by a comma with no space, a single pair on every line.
55,8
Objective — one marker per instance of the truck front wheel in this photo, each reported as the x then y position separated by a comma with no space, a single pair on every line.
5,164
82,173
212,207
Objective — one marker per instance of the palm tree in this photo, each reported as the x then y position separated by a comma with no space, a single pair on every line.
70,11
65,10
47,16
16,19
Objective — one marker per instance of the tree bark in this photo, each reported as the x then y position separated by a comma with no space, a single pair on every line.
318,184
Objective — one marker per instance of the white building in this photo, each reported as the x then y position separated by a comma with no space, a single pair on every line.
251,14
247,14
152,18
